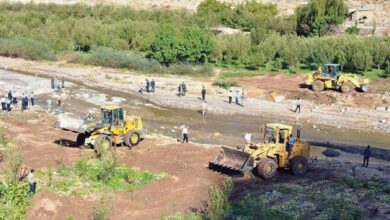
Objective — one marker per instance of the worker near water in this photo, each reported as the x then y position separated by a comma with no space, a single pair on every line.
10,95
183,89
203,93
185,133
48,105
248,138
31,181
147,86
242,98
3,104
32,99
59,106
153,85
366,154
230,96
290,144
52,81
204,107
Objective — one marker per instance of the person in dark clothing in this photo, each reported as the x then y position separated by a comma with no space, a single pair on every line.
10,95
153,85
203,93
179,90
366,154
32,99
298,105
183,89
63,82
52,81
147,86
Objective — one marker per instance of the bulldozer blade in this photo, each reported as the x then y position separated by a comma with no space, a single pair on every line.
232,159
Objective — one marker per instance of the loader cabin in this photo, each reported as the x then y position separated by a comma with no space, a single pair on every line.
331,70
112,115
276,133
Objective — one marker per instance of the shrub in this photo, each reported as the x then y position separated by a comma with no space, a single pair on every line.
26,48
226,84
101,210
218,203
107,167
13,163
14,200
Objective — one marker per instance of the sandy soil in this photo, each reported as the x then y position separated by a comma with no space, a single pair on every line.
329,108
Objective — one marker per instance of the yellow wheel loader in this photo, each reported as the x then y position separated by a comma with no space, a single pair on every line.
329,77
115,128
264,158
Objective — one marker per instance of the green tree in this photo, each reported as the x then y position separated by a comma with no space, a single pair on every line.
165,47
318,16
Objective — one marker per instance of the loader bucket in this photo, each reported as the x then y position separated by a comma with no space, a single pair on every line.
232,159
69,122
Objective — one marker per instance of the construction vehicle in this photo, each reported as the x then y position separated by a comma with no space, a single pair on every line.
329,77
115,128
266,157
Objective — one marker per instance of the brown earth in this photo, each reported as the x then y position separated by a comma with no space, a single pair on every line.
293,85
185,187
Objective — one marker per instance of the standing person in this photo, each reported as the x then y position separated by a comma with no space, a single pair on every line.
23,102
238,97
298,105
183,89
179,90
366,154
230,96
26,98
48,105
8,103
10,95
290,144
52,81
3,103
147,86
32,99
153,85
242,99
63,82
31,181
203,93
204,107
185,134
59,104
141,88
248,138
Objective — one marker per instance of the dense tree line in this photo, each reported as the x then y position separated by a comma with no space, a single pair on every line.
177,37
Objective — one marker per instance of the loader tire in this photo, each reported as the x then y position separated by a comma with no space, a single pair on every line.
299,165
80,140
132,139
318,86
347,87
266,168
105,142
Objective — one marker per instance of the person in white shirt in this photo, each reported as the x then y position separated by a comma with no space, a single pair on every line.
48,105
31,181
204,107
248,138
185,134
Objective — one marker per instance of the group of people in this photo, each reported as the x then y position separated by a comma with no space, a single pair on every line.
9,100
239,97
56,83
149,87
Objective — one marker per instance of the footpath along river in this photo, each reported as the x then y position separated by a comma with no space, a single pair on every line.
209,129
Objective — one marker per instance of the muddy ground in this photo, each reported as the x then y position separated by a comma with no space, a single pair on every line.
183,190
